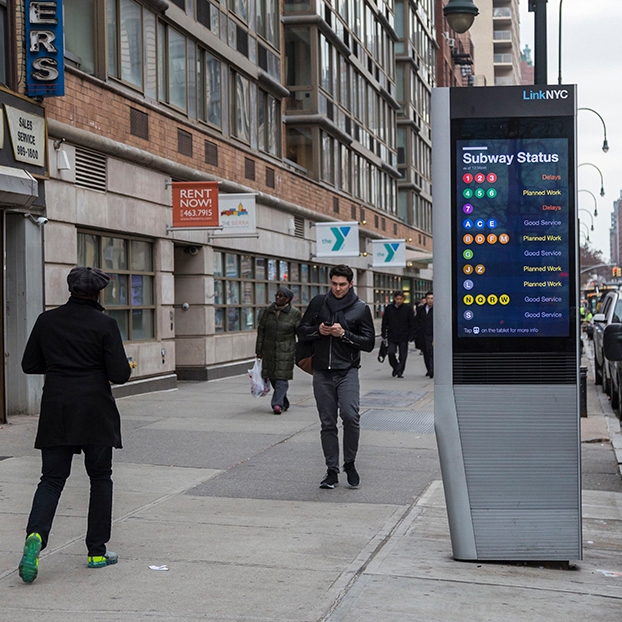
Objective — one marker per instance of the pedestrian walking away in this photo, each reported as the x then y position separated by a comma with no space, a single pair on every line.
276,346
398,328
425,324
80,351
419,339
340,325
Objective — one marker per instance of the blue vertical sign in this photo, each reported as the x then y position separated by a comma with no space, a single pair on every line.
45,57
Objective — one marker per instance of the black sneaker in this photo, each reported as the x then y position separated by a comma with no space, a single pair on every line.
331,480
354,480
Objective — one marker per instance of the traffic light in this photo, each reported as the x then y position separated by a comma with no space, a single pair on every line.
616,271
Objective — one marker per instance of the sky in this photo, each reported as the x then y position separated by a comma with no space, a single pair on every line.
590,59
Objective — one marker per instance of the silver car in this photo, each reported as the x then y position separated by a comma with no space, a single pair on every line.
611,313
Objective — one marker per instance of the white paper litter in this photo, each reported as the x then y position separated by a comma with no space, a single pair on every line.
165,567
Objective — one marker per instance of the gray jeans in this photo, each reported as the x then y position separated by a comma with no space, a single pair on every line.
337,393
279,397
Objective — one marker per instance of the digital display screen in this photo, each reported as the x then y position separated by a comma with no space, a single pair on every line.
512,273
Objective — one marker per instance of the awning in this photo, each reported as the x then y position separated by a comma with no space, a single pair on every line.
17,187
422,258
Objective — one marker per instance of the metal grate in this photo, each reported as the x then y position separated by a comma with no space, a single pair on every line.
139,123
390,399
270,177
184,142
249,169
299,227
91,169
398,421
211,153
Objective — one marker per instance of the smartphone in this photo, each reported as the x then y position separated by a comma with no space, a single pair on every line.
328,323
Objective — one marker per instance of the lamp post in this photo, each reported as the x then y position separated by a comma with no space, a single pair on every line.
538,7
460,14
559,49
582,209
605,143
587,235
595,201
602,183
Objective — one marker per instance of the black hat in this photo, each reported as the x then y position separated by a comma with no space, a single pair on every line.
286,292
87,282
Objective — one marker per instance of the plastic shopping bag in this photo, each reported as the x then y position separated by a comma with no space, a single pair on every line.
259,386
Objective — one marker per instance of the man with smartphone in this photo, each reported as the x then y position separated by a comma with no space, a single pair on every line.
340,325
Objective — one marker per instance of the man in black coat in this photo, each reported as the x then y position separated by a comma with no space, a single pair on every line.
425,324
80,351
398,328
340,326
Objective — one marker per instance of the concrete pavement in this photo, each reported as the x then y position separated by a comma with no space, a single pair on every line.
225,495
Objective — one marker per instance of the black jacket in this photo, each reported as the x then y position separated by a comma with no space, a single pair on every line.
338,353
425,321
80,351
398,323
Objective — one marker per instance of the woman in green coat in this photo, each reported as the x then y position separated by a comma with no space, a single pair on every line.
276,346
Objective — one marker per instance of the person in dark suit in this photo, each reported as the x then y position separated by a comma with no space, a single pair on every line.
80,351
398,328
425,324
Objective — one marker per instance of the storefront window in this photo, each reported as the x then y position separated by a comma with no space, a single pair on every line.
130,296
249,283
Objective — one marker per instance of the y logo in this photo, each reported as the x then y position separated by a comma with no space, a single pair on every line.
391,250
340,233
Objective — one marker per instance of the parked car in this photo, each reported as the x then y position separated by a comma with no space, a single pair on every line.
611,313
612,342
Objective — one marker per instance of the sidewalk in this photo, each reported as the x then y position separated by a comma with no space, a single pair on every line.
225,494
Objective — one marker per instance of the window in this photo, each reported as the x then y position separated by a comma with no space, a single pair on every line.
210,98
300,147
242,108
244,285
267,21
130,296
4,38
384,286
172,66
125,40
269,123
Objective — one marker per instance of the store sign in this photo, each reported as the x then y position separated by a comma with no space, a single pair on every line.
45,64
337,239
27,132
237,214
195,204
389,253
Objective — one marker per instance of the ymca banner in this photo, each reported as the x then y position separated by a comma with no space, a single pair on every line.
389,253
337,239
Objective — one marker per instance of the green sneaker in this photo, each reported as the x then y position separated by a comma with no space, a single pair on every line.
101,561
29,565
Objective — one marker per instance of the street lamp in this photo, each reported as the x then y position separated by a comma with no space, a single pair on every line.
538,7
602,183
582,209
587,235
460,14
595,201
605,143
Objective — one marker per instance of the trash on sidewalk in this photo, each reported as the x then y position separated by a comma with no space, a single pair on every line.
164,567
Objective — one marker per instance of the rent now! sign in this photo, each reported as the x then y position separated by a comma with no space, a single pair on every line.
45,65
195,204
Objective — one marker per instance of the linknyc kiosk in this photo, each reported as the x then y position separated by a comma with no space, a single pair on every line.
506,330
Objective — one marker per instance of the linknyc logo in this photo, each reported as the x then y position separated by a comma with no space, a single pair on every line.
546,94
